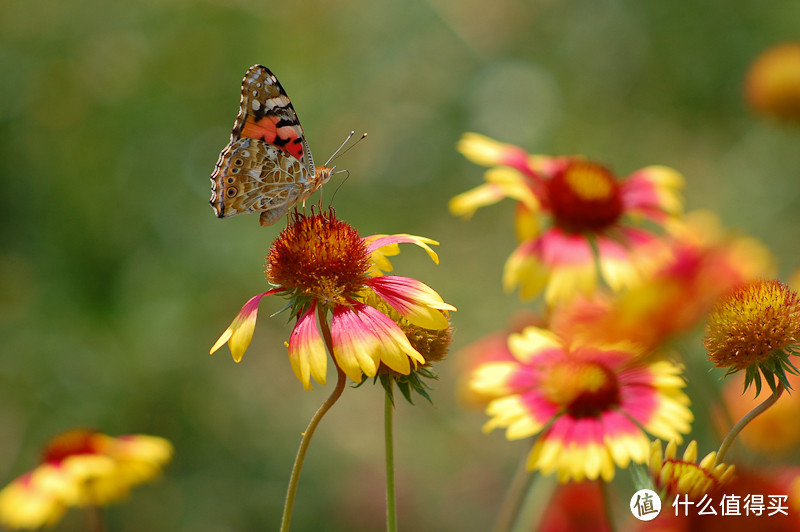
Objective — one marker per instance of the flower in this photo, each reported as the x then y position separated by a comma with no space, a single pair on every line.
686,476
490,348
81,468
790,477
747,501
571,213
589,404
324,267
772,87
683,276
756,328
432,344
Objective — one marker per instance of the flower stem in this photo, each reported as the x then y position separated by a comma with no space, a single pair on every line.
391,501
509,511
747,418
95,519
608,507
309,432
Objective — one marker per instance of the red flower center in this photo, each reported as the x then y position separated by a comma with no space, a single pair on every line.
584,197
319,256
584,389
70,443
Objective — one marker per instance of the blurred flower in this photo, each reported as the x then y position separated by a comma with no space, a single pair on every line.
685,275
747,501
756,328
790,477
590,404
323,266
81,468
585,210
491,348
772,87
685,475
575,507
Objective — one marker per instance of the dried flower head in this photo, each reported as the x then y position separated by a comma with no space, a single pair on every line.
756,328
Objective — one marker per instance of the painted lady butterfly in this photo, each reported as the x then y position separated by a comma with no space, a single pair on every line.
267,165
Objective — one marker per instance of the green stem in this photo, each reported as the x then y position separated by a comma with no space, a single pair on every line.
750,416
309,432
608,507
95,519
391,500
509,511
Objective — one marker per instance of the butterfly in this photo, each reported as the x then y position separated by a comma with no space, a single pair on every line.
267,166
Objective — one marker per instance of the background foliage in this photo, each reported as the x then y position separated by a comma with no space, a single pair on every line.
115,277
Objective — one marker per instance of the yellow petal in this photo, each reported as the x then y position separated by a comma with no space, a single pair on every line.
466,203
240,332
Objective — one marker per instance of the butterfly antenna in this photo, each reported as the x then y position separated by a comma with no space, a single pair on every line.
339,149
341,182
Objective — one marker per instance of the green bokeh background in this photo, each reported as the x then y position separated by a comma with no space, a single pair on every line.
116,278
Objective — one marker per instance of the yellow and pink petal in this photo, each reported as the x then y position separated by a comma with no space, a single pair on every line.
418,303
617,260
514,415
527,225
561,263
496,379
525,269
624,440
485,151
536,345
492,379
240,332
363,337
653,397
574,449
515,186
139,457
466,203
307,353
36,499
355,346
489,349
654,193
382,246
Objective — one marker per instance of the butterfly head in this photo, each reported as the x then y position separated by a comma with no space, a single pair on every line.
322,174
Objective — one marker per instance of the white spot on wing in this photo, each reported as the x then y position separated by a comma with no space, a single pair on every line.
278,102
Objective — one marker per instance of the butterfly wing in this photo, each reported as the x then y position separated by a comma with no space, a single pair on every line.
267,166
266,113
257,177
